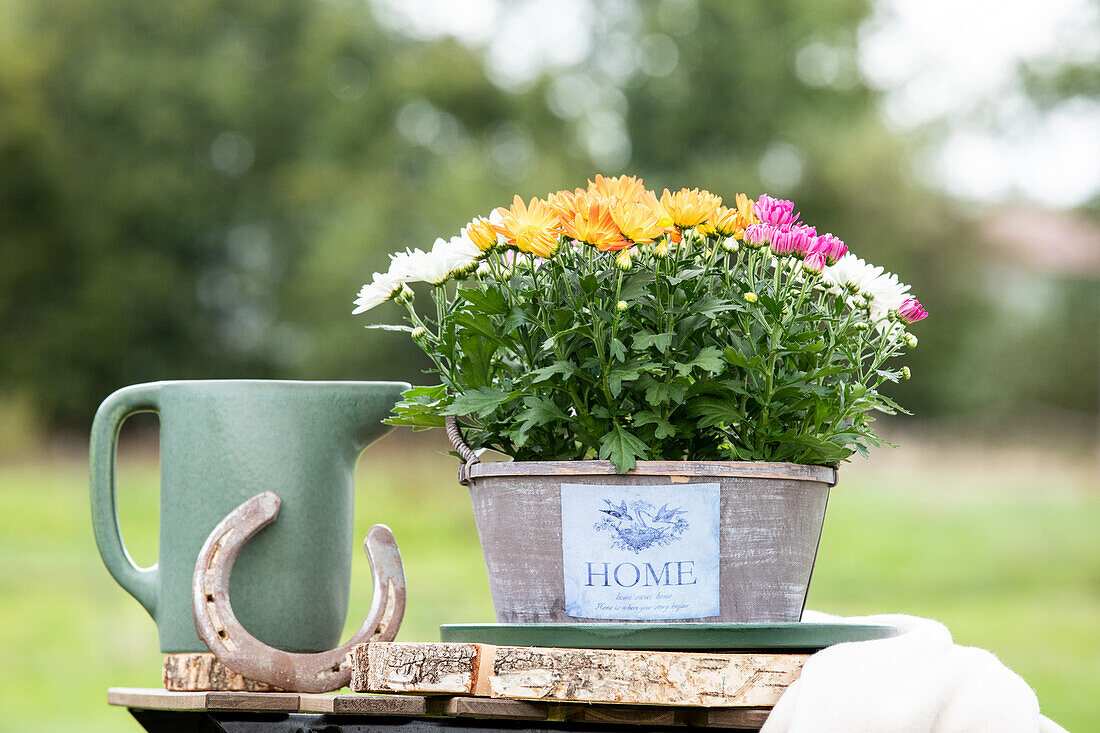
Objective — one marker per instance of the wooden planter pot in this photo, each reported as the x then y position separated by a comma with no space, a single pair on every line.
753,556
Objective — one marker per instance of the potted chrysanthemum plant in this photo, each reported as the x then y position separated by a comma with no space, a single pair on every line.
675,380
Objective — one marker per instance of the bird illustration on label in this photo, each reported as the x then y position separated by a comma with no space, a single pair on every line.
640,525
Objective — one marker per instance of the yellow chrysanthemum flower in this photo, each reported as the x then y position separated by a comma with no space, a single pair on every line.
533,228
624,188
688,208
480,231
725,222
649,199
636,221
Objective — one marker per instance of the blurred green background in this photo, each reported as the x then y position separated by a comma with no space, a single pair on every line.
197,190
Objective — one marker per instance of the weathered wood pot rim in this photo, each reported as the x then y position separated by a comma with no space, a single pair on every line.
733,469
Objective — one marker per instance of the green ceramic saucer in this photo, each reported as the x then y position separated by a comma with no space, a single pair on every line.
669,637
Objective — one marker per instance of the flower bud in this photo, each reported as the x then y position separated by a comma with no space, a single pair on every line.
758,235
661,249
624,260
405,294
910,341
419,332
750,297
861,326
622,305
912,311
814,264
729,244
905,373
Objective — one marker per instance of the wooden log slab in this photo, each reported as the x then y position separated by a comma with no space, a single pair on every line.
576,675
435,707
200,672
432,669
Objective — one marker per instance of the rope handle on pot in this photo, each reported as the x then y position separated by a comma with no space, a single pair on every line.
454,432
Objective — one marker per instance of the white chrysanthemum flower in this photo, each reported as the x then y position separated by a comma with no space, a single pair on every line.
850,274
460,253
887,294
382,287
437,266
415,265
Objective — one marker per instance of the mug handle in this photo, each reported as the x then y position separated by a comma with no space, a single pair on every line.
139,582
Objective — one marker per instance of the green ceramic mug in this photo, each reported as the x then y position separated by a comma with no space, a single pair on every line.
222,442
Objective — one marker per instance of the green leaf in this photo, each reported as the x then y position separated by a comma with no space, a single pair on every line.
635,286
686,274
539,411
618,349
736,358
487,301
713,411
711,305
889,375
626,373
657,392
622,448
660,340
420,408
388,327
516,317
482,401
564,368
708,359
480,324
664,429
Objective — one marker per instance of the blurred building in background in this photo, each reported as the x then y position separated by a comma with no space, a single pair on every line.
198,189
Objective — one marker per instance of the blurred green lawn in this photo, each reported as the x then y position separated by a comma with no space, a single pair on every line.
1007,557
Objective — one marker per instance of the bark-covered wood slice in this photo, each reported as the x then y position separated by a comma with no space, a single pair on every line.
577,675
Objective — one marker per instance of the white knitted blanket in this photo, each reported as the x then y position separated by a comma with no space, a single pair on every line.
917,682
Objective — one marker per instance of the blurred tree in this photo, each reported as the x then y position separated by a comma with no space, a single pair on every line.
199,189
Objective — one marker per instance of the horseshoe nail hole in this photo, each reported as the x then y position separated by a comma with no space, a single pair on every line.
222,634
336,668
209,598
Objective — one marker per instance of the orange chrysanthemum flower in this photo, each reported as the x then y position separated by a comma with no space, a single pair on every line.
532,228
688,208
565,201
746,211
624,188
481,232
636,221
586,217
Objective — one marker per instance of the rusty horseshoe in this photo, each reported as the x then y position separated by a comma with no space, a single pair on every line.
245,654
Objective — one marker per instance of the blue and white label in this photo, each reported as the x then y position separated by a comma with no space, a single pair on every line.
640,552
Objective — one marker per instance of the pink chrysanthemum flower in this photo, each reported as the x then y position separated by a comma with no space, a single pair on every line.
792,241
912,311
758,235
777,212
782,243
814,262
832,247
